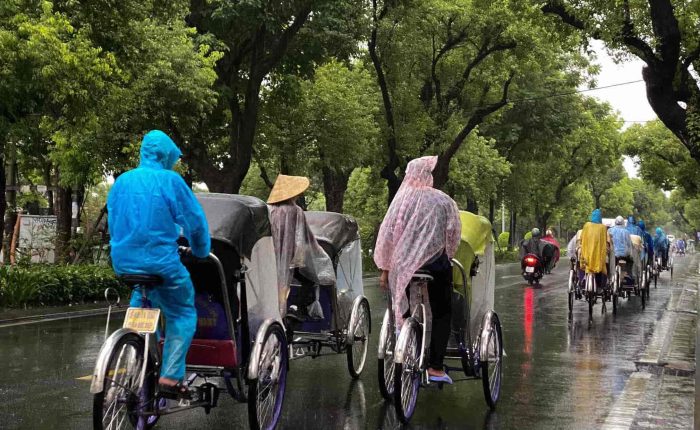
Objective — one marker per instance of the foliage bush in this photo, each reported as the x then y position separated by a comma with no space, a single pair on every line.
505,256
46,285
503,239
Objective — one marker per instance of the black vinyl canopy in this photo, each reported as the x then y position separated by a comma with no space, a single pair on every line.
237,220
336,229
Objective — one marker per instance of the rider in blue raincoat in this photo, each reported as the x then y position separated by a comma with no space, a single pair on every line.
661,245
648,241
633,228
622,244
149,207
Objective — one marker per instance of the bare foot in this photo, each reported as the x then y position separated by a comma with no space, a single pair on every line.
435,372
168,382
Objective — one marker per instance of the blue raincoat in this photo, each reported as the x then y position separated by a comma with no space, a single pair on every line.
622,243
660,241
149,207
633,228
648,241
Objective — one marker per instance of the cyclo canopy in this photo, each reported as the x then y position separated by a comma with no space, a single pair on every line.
476,242
243,223
339,235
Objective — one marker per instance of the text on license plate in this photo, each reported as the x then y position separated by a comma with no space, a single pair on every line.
529,269
142,320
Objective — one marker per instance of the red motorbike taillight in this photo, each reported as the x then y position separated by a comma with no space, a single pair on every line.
530,261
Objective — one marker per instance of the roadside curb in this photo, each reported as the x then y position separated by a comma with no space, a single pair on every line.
57,316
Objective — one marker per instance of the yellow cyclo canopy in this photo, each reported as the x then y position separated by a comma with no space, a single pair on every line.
475,237
476,242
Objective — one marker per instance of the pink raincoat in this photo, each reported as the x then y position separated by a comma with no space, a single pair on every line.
296,247
420,224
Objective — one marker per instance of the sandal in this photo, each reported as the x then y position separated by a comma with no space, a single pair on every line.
174,392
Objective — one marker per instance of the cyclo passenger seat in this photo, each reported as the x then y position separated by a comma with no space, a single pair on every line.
145,281
422,275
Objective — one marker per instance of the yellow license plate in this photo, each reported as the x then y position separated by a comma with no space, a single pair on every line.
142,320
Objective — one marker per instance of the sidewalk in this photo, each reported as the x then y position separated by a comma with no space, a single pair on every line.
663,387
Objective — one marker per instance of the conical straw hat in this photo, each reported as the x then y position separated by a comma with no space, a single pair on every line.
287,187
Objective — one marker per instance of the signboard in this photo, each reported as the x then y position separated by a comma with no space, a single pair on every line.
37,235
142,320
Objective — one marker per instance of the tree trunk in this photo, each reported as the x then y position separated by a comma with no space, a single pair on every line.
335,184
513,224
472,205
3,198
388,172
49,188
63,225
11,204
492,210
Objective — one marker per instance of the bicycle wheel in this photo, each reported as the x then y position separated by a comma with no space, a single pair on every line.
385,366
491,366
407,374
572,280
357,352
117,406
266,392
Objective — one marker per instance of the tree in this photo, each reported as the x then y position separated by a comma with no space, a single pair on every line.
661,158
604,180
443,68
327,126
663,34
257,38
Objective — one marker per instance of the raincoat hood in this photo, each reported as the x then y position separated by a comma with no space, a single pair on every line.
630,220
619,221
642,225
597,216
158,151
659,231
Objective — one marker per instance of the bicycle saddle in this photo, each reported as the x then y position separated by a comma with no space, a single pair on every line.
146,281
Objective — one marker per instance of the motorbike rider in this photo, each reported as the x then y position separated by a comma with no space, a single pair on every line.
661,246
622,243
148,209
421,229
549,237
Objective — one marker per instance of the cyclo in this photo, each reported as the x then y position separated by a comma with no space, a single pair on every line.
240,345
345,326
591,286
476,340
658,266
630,282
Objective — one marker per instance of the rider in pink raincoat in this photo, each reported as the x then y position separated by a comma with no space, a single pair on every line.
421,229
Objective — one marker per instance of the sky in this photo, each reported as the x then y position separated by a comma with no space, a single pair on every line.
629,100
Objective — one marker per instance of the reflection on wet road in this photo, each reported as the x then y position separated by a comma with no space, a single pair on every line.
557,374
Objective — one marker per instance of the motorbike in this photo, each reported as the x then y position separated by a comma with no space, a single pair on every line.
532,268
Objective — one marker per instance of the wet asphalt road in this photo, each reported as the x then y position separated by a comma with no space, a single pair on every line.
558,373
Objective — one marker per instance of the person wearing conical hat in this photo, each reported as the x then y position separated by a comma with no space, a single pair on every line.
295,245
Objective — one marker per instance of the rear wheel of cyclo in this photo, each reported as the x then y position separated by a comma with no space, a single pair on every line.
357,351
385,366
572,283
407,375
492,363
266,392
117,406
